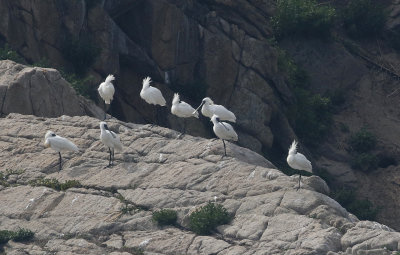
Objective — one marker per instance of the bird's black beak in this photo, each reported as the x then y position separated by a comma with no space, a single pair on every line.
222,124
53,134
198,107
106,127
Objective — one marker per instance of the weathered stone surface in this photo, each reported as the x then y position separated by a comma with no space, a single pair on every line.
41,92
221,46
158,170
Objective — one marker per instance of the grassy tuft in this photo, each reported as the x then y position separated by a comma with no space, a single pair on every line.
303,17
21,235
363,208
7,53
55,184
205,219
165,217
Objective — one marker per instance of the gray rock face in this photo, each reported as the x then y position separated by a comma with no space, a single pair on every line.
41,92
198,48
157,170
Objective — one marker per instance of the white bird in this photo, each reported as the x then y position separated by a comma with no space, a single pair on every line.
152,95
111,140
298,161
223,130
182,110
106,91
209,109
59,144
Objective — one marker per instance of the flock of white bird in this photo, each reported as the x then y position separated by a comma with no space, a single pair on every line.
181,109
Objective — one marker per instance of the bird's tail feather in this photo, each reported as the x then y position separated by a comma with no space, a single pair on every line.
293,147
110,78
176,98
146,82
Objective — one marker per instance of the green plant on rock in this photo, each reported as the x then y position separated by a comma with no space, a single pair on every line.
205,219
20,235
365,162
362,141
302,17
83,86
364,18
312,116
55,184
165,217
363,208
7,53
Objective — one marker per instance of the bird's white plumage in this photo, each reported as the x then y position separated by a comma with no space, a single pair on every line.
182,109
109,138
223,130
59,143
209,109
150,94
297,160
106,89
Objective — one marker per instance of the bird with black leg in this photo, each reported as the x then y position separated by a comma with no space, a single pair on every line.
59,144
151,94
111,140
208,109
106,92
183,110
298,161
223,130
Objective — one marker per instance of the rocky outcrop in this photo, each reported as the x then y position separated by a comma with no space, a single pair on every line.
197,48
159,170
40,92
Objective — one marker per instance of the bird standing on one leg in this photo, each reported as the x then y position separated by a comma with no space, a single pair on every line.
208,109
106,92
223,130
111,140
298,161
183,110
151,95
59,144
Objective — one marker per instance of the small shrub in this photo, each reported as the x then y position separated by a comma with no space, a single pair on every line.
5,236
312,116
207,218
362,141
365,162
364,18
363,209
302,17
165,217
129,209
55,184
20,235
82,86
7,53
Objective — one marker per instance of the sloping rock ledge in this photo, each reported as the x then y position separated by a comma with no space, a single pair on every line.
158,170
